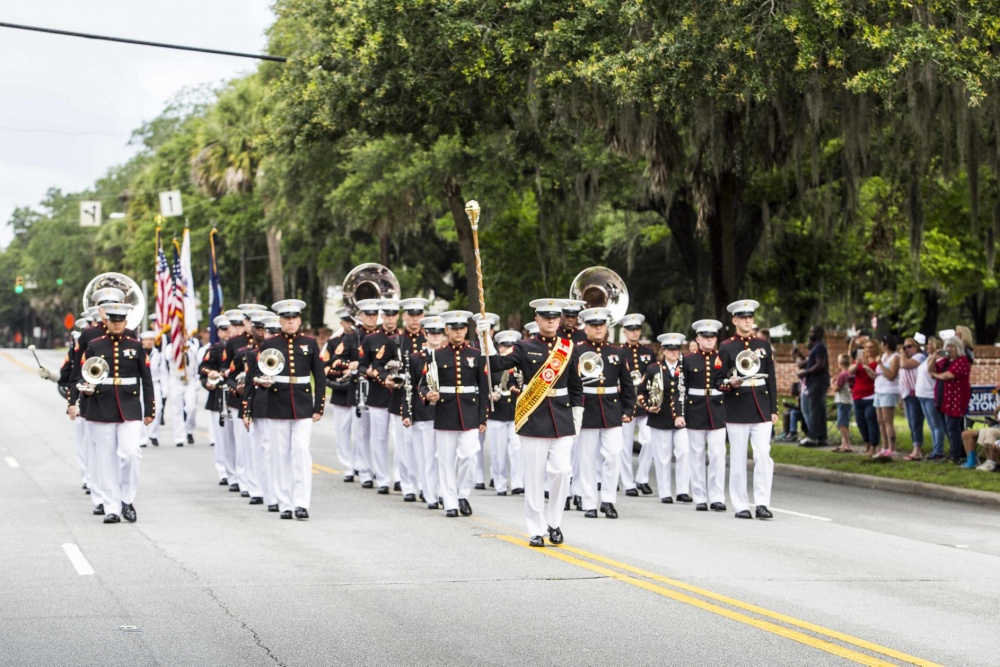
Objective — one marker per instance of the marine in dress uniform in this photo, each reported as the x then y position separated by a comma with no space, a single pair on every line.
343,385
158,371
419,413
531,330
117,408
210,370
460,407
501,438
569,325
638,357
367,314
292,407
608,403
255,403
705,416
254,470
549,419
481,471
409,342
751,412
668,435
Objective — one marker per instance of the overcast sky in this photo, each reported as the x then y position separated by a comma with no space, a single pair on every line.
68,105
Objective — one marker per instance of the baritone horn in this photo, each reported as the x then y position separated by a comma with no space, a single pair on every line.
271,362
369,281
133,295
600,287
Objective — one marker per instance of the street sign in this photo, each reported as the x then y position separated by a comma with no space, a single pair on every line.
90,214
170,204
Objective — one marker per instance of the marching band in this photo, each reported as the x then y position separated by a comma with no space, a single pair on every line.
551,415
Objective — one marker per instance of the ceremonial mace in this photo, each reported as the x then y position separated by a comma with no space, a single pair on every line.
472,210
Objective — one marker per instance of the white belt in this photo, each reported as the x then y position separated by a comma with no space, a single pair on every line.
458,390
704,392
759,382
600,390
290,379
120,381
552,393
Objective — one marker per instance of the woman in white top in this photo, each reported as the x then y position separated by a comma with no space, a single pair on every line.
925,394
887,394
909,367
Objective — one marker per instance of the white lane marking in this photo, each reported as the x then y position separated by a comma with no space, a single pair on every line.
12,462
961,546
804,516
78,560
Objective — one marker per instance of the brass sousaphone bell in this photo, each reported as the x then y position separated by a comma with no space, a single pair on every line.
369,281
133,295
600,287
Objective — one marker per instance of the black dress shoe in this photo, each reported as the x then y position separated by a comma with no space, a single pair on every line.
568,501
718,507
433,506
632,493
646,489
516,492
578,503
223,482
684,498
590,514
301,513
667,501
410,498
287,514
143,445
421,496
272,508
245,494
501,493
348,478
555,535
99,510
480,487
546,495
190,439
609,510
743,514
180,444
464,508
451,514
154,442
256,500
112,518
84,486
763,513
383,490
128,512
397,487
368,485
491,483
235,488
536,541
701,507
598,486
87,492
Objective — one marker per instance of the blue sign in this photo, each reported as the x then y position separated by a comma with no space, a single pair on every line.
983,401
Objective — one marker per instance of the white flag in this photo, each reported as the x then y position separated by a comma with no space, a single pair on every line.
190,306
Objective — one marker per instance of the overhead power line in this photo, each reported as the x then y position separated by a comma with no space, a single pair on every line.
160,45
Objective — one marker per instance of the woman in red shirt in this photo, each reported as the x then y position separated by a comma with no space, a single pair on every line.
863,395
952,393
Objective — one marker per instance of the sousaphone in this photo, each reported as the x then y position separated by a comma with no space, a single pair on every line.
369,281
133,295
600,287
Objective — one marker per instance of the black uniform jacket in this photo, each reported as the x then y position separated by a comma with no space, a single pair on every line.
554,417
408,345
376,350
744,404
76,359
638,358
116,403
418,409
215,359
233,345
286,400
460,366
239,365
503,406
703,371
254,402
605,410
673,403
336,358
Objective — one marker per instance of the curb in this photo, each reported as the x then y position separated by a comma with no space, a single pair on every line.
888,484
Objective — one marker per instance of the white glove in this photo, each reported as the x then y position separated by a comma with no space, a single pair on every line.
487,344
483,326
578,419
46,374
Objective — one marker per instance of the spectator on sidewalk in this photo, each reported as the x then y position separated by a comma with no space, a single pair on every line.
816,373
965,335
987,438
844,402
887,394
791,417
863,394
909,365
952,392
925,394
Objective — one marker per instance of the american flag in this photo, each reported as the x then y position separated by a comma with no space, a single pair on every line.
177,337
164,287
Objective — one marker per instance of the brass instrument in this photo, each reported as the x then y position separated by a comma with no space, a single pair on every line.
94,370
636,377
601,287
656,390
271,362
591,366
133,295
432,377
748,365
369,281
394,371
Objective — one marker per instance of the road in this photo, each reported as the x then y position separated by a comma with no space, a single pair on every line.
841,576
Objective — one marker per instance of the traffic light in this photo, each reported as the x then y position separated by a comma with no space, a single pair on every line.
19,285
59,281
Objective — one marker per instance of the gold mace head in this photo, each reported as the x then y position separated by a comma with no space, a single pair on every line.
472,210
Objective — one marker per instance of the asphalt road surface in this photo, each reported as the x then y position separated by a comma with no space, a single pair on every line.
839,576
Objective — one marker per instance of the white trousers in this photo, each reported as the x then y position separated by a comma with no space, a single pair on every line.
290,445
759,436
241,453
378,439
456,453
182,402
91,453
406,459
599,452
257,463
479,470
80,445
229,447
268,474
505,455
716,442
545,456
574,460
667,444
425,449
363,445
343,422
153,430
115,467
647,453
220,435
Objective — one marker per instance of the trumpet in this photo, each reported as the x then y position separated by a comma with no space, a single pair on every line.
271,362
591,366
95,371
